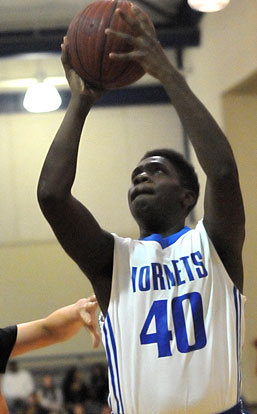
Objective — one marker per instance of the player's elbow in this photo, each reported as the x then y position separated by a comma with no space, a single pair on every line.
48,198
227,173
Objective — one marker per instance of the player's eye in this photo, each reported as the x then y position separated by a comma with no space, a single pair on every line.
157,170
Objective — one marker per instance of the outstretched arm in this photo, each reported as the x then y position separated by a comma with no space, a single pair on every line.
223,206
59,326
74,226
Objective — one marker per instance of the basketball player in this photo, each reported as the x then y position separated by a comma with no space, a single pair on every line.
59,326
172,301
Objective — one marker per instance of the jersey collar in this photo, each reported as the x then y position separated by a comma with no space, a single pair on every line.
166,241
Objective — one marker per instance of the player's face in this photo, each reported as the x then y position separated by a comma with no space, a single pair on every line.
156,190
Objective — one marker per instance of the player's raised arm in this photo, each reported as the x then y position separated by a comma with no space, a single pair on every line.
59,326
74,226
223,208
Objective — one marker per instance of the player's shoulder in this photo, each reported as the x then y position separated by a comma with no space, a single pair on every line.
156,239
199,230
121,241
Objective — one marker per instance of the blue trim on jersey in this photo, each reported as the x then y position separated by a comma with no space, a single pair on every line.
110,366
113,365
166,241
115,358
238,338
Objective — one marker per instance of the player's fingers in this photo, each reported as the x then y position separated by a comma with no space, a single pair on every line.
125,36
144,22
94,333
135,55
87,313
91,298
136,42
139,24
95,338
87,303
133,23
65,55
92,326
139,15
93,306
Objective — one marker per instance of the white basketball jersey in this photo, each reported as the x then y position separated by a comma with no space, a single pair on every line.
174,328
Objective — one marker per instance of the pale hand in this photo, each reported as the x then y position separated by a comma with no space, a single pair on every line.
87,312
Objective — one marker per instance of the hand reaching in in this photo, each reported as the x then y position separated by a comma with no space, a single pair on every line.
87,311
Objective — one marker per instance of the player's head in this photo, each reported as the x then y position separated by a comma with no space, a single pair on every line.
164,189
185,170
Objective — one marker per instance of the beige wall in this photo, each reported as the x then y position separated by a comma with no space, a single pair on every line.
112,143
240,109
226,65
36,279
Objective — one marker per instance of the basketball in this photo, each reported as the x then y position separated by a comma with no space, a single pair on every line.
89,46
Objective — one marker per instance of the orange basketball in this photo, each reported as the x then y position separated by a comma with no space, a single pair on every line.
89,46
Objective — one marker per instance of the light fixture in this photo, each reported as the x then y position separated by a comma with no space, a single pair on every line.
42,96
208,5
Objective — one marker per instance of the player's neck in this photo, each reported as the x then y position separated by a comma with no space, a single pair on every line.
165,232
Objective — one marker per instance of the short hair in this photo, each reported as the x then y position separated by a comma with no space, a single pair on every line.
185,170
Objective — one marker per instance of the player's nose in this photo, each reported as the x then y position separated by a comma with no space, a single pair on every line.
140,178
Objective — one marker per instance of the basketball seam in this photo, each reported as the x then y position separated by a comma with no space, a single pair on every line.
126,67
124,70
103,50
77,51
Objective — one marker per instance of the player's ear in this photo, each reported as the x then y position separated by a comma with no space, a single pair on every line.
189,197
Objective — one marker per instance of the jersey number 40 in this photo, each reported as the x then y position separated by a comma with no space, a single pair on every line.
162,335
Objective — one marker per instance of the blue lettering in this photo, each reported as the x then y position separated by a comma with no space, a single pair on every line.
187,267
158,281
195,302
144,278
170,276
201,271
133,276
177,273
160,276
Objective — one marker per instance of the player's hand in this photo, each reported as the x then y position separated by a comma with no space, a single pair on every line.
147,50
77,86
87,312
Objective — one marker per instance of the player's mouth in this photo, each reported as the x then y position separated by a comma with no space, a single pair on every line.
141,190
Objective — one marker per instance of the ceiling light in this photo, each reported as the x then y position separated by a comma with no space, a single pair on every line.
25,83
42,97
208,5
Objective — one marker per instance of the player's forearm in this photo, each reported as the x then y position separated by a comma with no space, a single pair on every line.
57,327
210,144
63,323
59,169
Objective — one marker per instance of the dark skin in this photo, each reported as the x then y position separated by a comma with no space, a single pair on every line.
155,182
156,187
